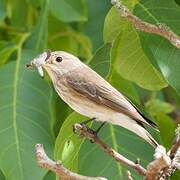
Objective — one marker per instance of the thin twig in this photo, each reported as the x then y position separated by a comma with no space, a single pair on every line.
88,133
56,166
160,29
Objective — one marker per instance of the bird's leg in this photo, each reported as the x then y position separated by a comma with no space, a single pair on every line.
99,128
87,121
95,132
84,123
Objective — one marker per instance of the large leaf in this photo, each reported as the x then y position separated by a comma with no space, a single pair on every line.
19,10
63,37
162,52
2,177
167,129
25,119
127,54
155,106
125,87
60,111
94,26
132,63
101,60
38,38
67,143
114,22
6,49
69,10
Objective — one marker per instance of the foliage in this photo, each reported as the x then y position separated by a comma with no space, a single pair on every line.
144,67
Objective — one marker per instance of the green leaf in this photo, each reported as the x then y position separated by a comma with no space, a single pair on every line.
60,110
2,10
163,53
94,26
25,119
132,63
6,50
93,161
2,177
167,129
124,86
127,54
114,22
63,37
101,60
178,2
69,10
176,175
19,10
50,176
37,3
38,38
68,143
155,106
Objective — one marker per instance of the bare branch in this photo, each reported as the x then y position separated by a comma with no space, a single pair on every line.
161,29
88,133
56,166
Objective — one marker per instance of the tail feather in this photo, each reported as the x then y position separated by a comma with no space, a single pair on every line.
134,126
152,141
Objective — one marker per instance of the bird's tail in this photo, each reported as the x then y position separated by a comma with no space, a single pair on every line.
135,127
143,133
151,140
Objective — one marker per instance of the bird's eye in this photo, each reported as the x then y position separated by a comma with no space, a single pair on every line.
59,59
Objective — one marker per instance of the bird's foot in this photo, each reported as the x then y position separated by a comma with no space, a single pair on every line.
95,132
88,121
83,125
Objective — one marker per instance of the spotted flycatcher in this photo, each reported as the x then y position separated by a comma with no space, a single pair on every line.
89,94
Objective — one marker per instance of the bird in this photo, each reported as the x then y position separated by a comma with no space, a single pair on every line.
89,94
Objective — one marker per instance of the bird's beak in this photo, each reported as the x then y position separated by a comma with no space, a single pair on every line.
39,61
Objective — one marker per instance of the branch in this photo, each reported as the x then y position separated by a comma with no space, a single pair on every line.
159,168
165,164
56,166
175,146
160,29
89,133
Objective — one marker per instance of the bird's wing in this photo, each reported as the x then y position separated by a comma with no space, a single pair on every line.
98,92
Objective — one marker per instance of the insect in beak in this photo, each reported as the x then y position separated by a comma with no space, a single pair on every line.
39,61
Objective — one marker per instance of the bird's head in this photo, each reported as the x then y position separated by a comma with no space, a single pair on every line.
57,62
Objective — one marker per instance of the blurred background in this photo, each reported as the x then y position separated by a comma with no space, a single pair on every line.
144,67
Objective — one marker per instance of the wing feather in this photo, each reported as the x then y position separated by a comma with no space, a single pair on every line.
97,90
